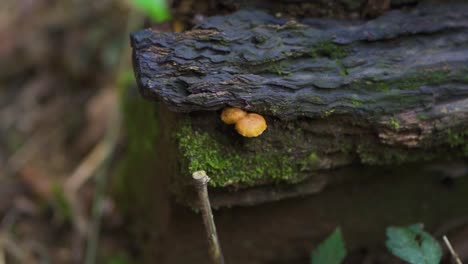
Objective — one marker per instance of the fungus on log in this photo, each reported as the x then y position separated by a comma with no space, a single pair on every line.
335,93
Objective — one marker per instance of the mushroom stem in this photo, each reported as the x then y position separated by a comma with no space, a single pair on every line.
201,179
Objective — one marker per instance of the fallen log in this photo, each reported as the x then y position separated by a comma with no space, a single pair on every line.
389,91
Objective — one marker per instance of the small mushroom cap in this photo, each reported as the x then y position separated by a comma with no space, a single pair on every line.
231,115
252,125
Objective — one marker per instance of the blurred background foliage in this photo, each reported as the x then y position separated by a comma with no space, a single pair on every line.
157,10
71,120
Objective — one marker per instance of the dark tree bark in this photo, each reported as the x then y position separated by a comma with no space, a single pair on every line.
255,61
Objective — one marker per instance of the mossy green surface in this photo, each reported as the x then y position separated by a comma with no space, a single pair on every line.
423,116
279,70
394,123
233,166
327,113
458,140
355,101
309,162
328,49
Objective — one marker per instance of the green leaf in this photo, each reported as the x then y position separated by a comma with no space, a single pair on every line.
157,10
413,245
331,251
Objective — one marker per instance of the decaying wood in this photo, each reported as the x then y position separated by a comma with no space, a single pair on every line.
403,64
384,91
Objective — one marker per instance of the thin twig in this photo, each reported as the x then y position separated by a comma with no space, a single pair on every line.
85,170
200,181
452,251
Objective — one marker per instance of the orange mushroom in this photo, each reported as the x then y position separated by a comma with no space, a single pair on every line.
231,115
252,125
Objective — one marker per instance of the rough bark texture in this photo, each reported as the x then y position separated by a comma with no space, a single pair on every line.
289,69
335,93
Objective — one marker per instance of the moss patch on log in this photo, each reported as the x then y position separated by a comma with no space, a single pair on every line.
291,151
226,167
328,49
458,140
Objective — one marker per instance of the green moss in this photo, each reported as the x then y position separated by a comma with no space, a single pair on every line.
458,140
279,70
382,87
227,167
332,51
328,49
327,113
223,42
422,116
343,70
394,123
310,162
355,100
